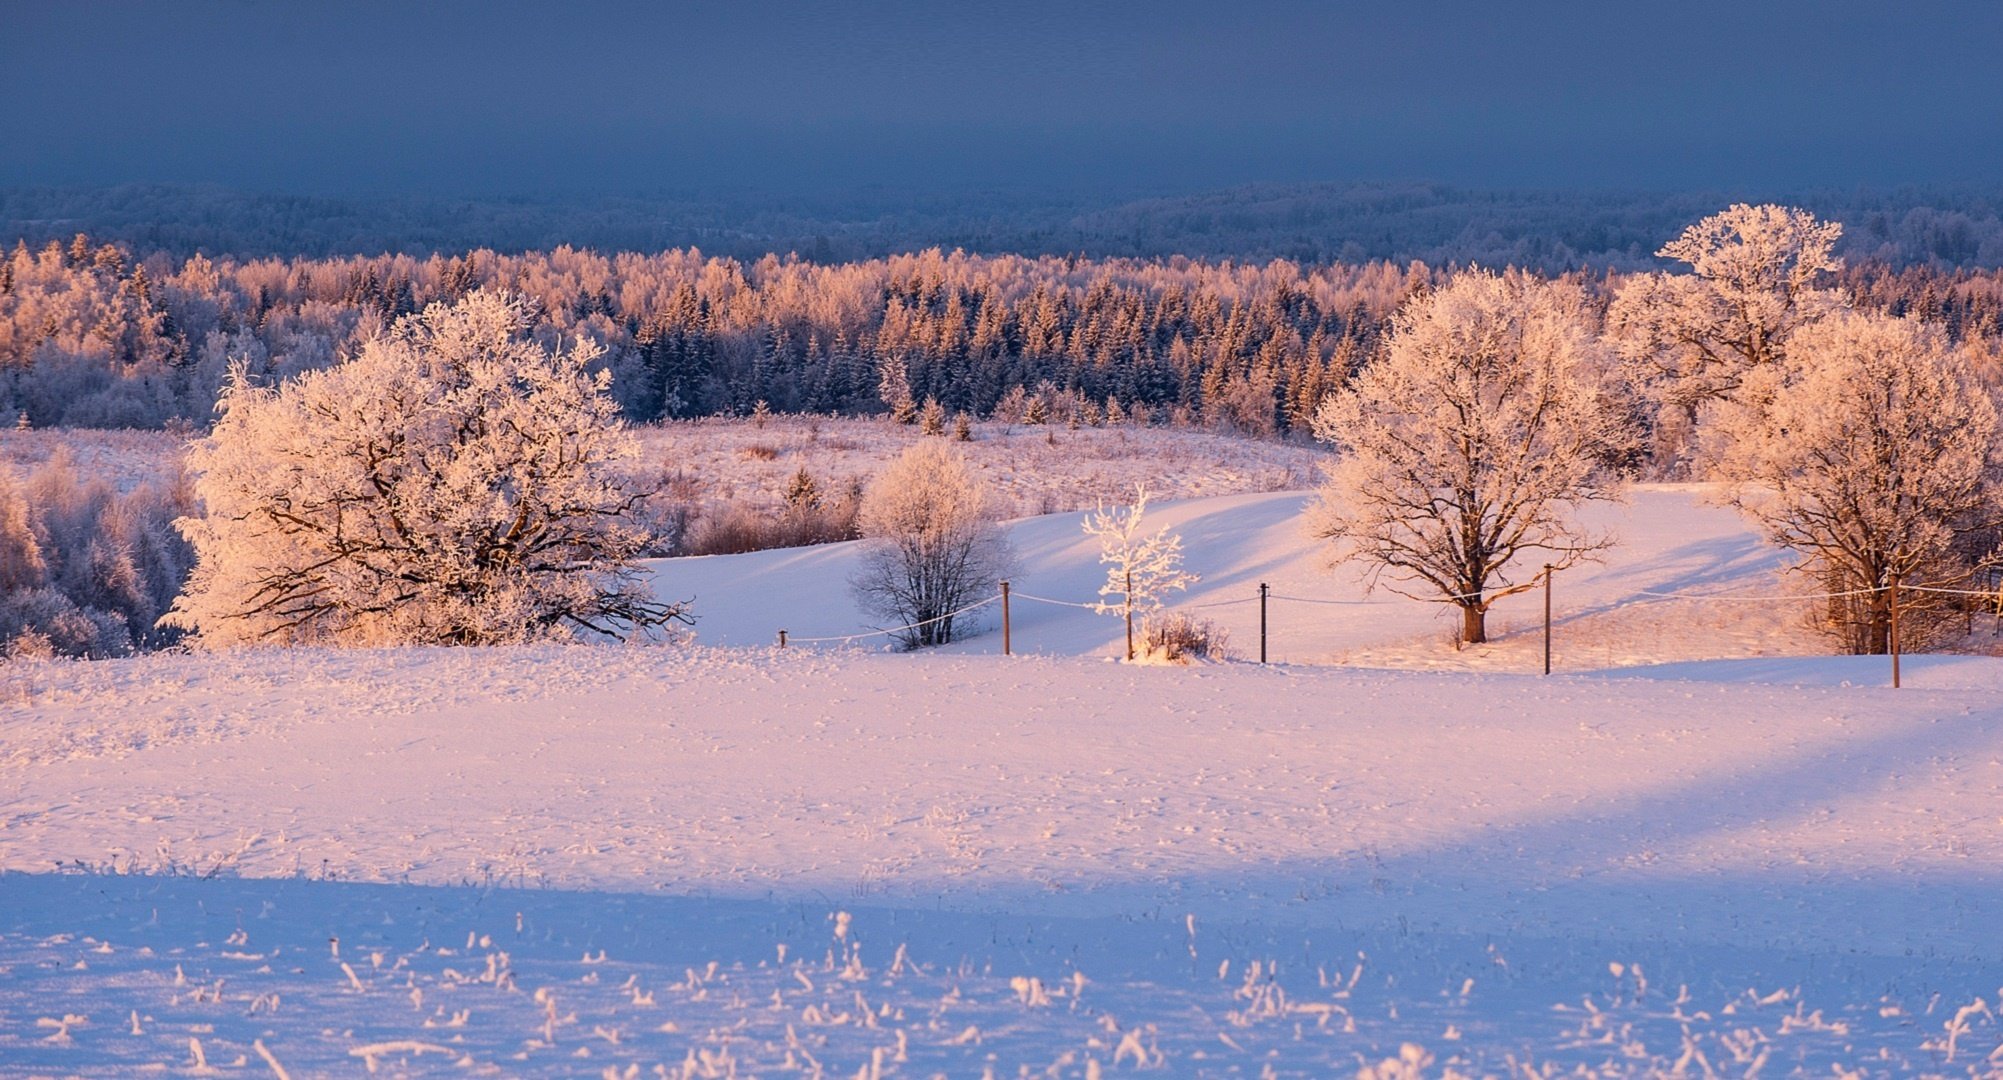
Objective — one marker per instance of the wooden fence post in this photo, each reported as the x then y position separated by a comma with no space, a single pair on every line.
782,639
1263,590
1895,631
1007,649
1547,618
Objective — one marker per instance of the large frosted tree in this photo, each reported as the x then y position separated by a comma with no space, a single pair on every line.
1490,415
457,482
1757,275
1873,453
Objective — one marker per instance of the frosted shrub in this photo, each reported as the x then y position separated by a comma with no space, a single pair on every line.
1176,638
935,544
454,483
1141,568
734,530
85,570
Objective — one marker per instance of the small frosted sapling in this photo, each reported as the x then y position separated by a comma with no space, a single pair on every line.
1140,569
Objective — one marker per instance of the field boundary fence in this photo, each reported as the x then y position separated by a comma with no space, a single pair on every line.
1893,590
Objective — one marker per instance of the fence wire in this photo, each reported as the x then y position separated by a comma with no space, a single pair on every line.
1647,595
846,638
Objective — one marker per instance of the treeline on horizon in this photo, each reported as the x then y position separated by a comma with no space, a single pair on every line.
93,334
1551,231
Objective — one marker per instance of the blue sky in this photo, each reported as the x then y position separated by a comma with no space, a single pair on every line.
498,97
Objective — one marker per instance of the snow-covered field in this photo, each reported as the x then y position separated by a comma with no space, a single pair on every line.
1673,541
1038,469
123,459
726,859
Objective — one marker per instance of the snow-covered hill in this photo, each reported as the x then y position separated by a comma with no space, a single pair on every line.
1612,614
724,859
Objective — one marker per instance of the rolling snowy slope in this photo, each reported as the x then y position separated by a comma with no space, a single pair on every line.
726,859
1672,541
1802,871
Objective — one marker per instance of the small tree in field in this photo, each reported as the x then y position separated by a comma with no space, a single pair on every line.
1489,416
935,543
1140,568
1873,454
454,483
932,417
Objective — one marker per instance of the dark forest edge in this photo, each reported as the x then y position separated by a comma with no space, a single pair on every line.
1546,230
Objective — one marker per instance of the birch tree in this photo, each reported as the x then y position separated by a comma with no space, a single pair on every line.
1490,416
1874,455
455,483
1141,568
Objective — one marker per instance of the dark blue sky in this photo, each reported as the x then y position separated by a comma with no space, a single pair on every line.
1165,96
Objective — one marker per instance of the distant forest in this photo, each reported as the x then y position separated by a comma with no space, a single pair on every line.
1550,231
126,328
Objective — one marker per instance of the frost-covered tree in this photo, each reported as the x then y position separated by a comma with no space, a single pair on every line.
932,417
935,543
893,385
1490,416
1757,275
86,570
22,565
803,493
1874,453
454,483
1141,568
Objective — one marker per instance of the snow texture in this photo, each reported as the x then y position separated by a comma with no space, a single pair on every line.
728,859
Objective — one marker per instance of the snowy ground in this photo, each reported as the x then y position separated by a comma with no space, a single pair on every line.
1038,469
1607,615
730,860
123,459
1035,469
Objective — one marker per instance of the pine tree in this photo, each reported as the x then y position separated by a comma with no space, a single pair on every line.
893,386
803,493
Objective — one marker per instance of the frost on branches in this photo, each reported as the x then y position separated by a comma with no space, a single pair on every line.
1140,568
454,483
1872,452
1756,277
1490,414
935,544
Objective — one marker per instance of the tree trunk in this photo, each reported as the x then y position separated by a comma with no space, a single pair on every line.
1130,616
1878,628
1474,624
